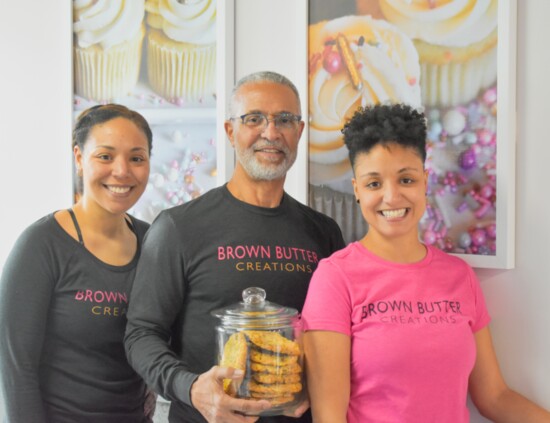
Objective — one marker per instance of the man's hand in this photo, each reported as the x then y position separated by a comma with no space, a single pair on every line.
209,398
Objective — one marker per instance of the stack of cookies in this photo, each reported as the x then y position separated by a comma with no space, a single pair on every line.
271,365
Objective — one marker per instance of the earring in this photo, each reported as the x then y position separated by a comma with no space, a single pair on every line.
357,200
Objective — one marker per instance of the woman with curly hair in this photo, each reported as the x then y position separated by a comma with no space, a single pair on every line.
396,330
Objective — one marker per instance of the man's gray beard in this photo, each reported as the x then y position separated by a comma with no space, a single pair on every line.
266,172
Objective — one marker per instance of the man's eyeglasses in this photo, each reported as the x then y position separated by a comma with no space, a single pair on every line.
260,121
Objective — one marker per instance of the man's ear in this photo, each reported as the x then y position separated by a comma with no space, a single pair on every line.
301,128
229,130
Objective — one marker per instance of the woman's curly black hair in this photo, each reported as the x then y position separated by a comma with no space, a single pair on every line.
385,124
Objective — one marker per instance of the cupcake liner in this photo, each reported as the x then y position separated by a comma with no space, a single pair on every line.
454,83
102,75
180,70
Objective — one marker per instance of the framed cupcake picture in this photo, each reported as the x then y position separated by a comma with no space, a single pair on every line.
170,60
455,61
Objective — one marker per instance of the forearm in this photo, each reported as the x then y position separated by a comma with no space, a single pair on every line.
20,396
490,393
148,348
326,413
150,355
511,407
329,404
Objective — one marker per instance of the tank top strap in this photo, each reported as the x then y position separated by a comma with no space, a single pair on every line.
76,226
130,224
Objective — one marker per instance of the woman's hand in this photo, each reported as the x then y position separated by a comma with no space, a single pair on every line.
150,404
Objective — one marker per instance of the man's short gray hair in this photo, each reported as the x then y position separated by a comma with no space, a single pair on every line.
262,76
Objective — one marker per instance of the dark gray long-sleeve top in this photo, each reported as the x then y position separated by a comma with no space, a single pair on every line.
199,257
62,321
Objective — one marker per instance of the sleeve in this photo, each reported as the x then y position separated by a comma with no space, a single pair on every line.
155,302
328,305
481,317
26,287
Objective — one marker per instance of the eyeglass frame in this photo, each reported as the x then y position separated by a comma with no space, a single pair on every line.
294,118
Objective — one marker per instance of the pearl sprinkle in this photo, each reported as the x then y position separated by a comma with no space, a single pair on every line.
461,162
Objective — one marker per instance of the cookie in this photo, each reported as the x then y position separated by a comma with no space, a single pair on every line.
274,400
273,341
235,353
276,370
275,389
281,400
270,378
259,356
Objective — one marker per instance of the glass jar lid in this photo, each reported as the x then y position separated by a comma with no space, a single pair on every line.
255,312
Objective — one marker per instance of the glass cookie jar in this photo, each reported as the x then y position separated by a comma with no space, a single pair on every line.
264,340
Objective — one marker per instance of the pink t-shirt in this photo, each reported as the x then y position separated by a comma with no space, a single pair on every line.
411,329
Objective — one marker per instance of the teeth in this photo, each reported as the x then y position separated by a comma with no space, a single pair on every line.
394,213
119,190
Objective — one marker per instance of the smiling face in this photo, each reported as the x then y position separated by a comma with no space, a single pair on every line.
115,165
264,153
390,183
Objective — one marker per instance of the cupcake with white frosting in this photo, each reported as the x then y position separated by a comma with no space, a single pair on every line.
353,61
181,49
108,36
456,43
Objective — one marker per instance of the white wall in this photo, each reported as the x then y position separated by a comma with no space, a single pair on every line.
518,299
35,114
35,120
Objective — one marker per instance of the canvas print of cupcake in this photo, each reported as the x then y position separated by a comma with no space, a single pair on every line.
181,49
439,55
456,42
107,44
353,61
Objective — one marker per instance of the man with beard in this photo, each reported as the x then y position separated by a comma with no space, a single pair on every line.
201,255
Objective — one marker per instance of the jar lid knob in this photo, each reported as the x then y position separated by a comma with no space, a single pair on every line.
254,295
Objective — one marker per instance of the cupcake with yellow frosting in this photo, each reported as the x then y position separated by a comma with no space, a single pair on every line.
369,7
456,43
353,61
181,49
107,47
